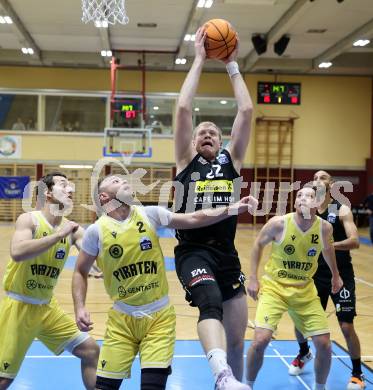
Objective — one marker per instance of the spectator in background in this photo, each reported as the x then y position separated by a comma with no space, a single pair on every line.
69,126
59,126
157,127
19,125
368,204
76,126
30,125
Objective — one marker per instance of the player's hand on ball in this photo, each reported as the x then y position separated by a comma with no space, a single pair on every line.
199,43
233,56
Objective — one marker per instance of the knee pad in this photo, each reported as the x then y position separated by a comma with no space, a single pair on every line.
209,301
154,378
108,383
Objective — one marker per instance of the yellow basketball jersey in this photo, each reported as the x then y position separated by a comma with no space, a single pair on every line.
131,259
37,277
294,259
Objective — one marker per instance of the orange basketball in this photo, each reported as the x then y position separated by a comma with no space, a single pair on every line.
220,40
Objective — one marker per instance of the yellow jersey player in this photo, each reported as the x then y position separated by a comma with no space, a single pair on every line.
287,285
125,243
39,250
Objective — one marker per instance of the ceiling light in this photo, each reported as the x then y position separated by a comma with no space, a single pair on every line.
155,108
8,19
27,50
2,20
223,102
196,109
325,65
73,166
190,37
180,61
205,3
106,53
361,42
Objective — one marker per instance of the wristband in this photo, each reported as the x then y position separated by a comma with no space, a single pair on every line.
232,68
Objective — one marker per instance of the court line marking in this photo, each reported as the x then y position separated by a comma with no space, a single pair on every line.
288,366
191,356
364,282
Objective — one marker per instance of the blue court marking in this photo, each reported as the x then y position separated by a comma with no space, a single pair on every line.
42,370
165,232
169,262
365,241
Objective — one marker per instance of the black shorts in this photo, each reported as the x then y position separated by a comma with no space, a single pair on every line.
345,300
196,264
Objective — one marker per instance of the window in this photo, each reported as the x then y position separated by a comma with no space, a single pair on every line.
75,113
220,111
159,114
18,112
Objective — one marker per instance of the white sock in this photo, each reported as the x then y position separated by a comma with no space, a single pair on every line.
217,359
319,386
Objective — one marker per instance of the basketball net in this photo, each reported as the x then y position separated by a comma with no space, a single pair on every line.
104,11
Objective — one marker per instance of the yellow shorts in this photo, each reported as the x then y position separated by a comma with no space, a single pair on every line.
21,322
302,303
125,336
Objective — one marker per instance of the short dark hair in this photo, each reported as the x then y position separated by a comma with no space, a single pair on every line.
48,180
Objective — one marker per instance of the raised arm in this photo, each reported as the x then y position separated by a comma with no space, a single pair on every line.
352,240
79,290
24,247
268,233
210,216
241,129
78,237
329,256
184,151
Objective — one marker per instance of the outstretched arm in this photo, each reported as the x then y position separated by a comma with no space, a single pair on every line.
79,290
268,233
352,240
241,129
24,247
210,216
329,256
184,123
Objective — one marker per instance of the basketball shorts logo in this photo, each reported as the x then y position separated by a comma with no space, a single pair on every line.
344,293
282,274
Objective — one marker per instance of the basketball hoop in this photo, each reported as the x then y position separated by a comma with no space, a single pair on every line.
104,12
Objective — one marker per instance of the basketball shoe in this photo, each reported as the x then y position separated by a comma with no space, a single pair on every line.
356,383
226,381
297,365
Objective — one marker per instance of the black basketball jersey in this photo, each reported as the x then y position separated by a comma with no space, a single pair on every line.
208,184
331,214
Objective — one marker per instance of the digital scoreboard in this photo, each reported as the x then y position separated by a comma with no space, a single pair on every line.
278,93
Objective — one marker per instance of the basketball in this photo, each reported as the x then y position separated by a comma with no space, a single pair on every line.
220,40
